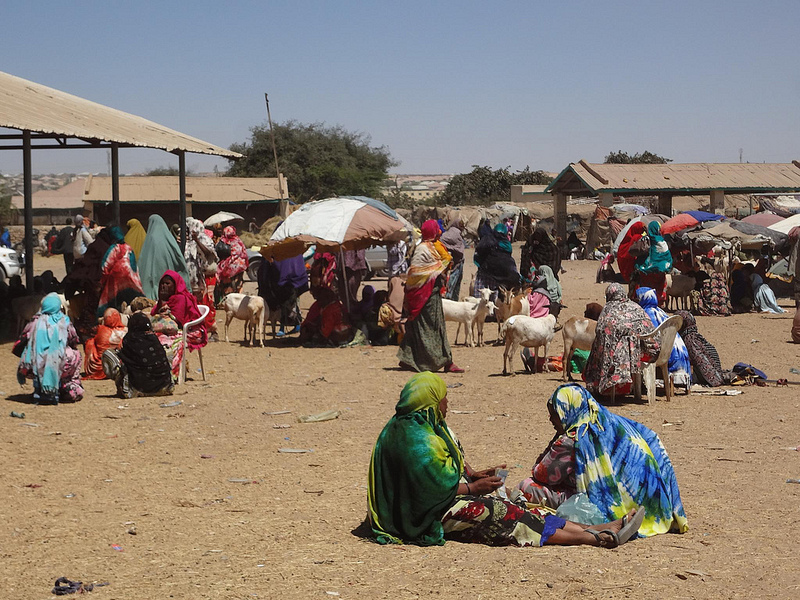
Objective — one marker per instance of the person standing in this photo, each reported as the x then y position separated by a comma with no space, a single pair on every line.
453,240
81,238
63,245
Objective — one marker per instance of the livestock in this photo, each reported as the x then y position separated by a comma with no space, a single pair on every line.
470,312
24,307
511,303
578,333
249,309
529,332
679,286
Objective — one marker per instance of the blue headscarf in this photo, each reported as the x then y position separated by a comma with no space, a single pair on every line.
679,364
619,463
47,345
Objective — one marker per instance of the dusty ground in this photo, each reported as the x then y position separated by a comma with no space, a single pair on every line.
105,465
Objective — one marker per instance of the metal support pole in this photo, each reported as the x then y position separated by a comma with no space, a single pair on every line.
115,182
28,210
182,180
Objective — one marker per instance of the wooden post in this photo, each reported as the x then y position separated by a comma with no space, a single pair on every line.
115,182
560,215
665,204
28,207
717,203
182,185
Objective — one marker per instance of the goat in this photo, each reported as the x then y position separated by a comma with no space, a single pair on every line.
679,286
249,309
529,332
468,312
578,334
511,304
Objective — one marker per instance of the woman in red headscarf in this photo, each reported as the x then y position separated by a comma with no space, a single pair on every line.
626,260
108,337
231,268
425,346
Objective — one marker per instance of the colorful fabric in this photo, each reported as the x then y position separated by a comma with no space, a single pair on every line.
120,283
323,272
430,259
109,337
617,352
50,356
539,304
493,521
619,463
424,346
540,250
135,236
714,296
160,253
415,468
236,263
679,364
496,266
625,260
702,354
659,259
551,283
182,306
199,253
552,478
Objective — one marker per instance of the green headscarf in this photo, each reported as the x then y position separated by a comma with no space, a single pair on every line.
659,259
415,468
553,286
160,253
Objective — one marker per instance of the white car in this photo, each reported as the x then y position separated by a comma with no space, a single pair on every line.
9,263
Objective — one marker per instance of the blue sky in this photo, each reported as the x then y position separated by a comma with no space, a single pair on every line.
444,85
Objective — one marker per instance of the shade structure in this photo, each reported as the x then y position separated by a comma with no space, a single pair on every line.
222,217
690,218
786,225
333,224
765,219
644,219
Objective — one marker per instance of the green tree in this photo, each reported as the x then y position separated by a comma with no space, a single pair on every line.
484,186
318,161
645,158
166,172
6,208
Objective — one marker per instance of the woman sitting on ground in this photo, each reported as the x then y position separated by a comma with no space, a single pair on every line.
422,491
763,297
108,337
176,306
618,463
50,356
679,365
140,367
617,353
702,354
326,322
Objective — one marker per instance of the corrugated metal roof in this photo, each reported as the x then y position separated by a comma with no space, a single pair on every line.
684,178
30,106
65,197
198,189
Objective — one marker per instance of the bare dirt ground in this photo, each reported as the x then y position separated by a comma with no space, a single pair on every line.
78,477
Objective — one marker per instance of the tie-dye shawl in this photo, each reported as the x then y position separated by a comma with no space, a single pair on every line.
620,464
415,468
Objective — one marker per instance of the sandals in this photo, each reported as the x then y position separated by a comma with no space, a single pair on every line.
630,528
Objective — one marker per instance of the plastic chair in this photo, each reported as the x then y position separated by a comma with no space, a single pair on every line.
204,310
666,333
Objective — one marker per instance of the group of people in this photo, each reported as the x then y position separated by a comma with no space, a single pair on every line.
422,490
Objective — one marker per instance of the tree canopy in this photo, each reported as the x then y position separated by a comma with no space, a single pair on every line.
645,158
318,161
483,186
6,208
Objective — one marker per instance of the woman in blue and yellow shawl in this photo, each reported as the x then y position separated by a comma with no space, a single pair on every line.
618,463
422,491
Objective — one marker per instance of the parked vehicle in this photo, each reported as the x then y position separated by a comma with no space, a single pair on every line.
377,262
10,264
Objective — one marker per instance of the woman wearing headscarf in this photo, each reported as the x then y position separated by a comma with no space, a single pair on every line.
425,346
176,306
551,283
626,260
109,337
50,355
702,354
540,250
617,352
201,263
119,281
422,491
135,236
140,367
453,241
496,266
230,271
653,267
763,297
160,253
539,298
281,283
617,463
679,365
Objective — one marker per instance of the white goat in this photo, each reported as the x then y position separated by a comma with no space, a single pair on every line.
470,312
578,334
529,332
249,309
510,304
679,286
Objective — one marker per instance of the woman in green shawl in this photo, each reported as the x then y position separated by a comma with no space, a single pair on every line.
422,491
651,269
160,253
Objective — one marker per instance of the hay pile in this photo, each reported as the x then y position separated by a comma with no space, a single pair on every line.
263,235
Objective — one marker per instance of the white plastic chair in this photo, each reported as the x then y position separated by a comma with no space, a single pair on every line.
204,310
666,334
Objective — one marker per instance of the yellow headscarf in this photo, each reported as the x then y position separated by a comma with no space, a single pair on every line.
135,236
